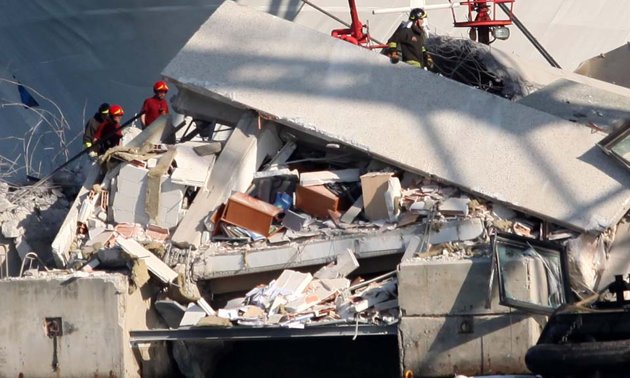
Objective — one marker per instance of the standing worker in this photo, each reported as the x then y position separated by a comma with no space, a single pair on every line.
90,127
155,106
108,134
408,42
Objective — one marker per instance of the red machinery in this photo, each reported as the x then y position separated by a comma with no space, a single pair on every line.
482,19
357,33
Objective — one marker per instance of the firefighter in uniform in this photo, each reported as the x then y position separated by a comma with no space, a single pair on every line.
108,134
155,106
408,42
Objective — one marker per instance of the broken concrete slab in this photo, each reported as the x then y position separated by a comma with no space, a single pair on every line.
328,177
234,170
171,311
514,140
211,265
454,206
458,230
155,265
290,282
345,264
194,313
192,169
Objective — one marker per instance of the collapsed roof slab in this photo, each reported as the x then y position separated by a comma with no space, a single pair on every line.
581,103
408,117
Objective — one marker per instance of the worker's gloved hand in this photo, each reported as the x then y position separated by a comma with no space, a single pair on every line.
93,154
394,58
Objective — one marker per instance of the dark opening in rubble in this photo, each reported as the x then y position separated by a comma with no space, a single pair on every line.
374,356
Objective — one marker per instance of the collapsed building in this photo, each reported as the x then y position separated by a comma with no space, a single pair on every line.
321,190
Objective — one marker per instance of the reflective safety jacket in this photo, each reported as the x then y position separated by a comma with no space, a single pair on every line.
409,42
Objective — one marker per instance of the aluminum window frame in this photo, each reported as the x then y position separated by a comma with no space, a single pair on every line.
524,243
612,140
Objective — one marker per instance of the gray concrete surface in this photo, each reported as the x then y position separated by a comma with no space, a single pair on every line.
468,345
439,288
212,265
427,124
96,313
581,103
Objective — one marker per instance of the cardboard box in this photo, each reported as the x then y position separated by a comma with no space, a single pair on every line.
374,186
250,213
316,200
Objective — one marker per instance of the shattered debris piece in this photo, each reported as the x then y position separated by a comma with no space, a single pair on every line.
523,228
350,215
171,311
155,265
327,177
454,206
458,230
316,200
192,169
294,221
345,264
194,313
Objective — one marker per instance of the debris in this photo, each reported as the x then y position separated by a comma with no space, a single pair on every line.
327,177
346,263
316,200
454,207
294,221
193,314
171,311
350,215
154,264
374,186
191,168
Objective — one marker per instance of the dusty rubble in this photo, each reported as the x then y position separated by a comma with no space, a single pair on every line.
303,193
30,216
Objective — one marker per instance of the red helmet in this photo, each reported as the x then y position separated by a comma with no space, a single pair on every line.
116,110
160,86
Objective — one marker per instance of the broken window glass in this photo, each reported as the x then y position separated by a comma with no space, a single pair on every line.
617,145
531,274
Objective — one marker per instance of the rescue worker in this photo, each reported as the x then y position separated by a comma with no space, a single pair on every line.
109,133
408,42
155,106
90,127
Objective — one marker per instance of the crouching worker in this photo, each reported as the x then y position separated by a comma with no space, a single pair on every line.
90,127
408,42
108,134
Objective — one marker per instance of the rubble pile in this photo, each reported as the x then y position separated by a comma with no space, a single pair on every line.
299,195
296,299
30,216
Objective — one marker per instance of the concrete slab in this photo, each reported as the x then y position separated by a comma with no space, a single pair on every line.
507,144
211,265
89,308
581,103
468,345
438,288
